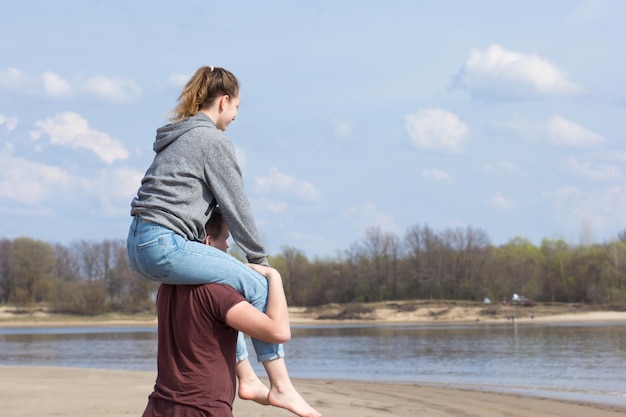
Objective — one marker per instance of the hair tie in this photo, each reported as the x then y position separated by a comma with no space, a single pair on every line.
211,68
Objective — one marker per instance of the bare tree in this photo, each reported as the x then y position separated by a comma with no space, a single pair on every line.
469,252
383,251
296,280
67,268
90,259
557,254
416,280
32,269
6,278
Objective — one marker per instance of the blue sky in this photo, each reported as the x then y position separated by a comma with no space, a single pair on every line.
507,117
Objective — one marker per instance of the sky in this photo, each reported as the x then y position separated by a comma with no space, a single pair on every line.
505,117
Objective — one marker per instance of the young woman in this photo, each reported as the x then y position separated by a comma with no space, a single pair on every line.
194,170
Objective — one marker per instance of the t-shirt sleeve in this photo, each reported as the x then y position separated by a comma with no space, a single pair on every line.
223,298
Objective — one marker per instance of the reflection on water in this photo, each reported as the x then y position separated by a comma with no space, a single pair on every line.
113,348
577,361
563,357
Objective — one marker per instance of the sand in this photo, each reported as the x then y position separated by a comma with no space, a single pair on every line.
381,314
71,392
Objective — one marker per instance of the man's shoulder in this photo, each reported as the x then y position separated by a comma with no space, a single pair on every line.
214,297
213,287
220,293
219,298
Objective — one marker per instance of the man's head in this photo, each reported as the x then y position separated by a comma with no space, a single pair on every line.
217,232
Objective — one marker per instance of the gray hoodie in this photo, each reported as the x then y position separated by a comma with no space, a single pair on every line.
194,169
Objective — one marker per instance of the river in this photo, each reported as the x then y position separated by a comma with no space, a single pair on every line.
575,361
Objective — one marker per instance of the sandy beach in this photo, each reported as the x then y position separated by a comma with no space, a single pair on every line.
70,392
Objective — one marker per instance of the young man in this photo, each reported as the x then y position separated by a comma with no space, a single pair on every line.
197,338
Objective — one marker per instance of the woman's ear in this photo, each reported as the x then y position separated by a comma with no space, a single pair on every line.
223,102
207,240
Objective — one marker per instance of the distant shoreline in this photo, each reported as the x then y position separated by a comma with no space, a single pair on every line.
405,312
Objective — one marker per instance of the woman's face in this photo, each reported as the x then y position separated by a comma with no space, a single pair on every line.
230,106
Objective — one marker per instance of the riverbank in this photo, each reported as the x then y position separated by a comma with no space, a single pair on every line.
72,392
410,311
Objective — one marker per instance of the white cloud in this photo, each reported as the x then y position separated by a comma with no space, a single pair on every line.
242,158
343,129
72,130
564,192
277,182
26,212
499,72
50,84
368,215
436,174
30,182
619,156
113,189
118,183
9,122
501,202
436,129
566,132
179,80
502,166
117,90
588,12
55,86
36,184
601,210
596,173
557,130
15,79
273,206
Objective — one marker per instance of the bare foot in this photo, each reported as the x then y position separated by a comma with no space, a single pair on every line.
291,400
250,386
282,392
254,390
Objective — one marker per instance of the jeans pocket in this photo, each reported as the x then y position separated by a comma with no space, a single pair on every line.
152,257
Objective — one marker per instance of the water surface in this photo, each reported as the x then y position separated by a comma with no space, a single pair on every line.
569,361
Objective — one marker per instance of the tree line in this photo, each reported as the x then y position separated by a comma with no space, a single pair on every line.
88,277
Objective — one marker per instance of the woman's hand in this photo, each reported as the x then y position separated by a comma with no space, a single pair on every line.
266,271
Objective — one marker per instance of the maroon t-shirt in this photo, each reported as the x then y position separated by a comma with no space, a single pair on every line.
196,352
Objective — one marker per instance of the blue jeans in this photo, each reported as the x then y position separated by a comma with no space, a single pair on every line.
161,255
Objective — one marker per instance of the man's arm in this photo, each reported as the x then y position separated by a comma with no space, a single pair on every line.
272,326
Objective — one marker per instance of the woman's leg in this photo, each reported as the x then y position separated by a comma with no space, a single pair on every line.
162,255
250,386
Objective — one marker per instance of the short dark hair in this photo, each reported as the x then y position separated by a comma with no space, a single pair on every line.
215,225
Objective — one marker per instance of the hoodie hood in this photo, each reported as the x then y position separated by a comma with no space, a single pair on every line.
169,133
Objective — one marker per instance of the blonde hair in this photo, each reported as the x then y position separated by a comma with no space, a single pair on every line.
207,84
